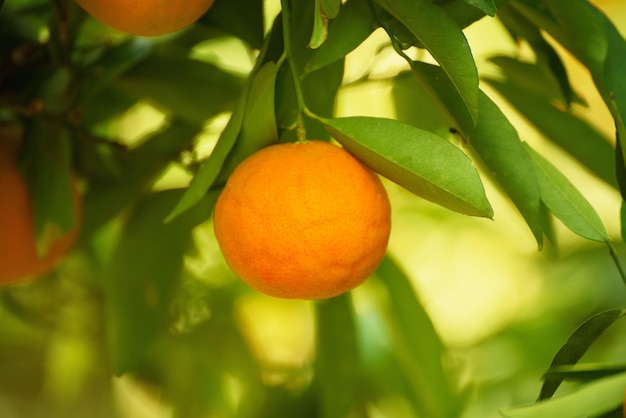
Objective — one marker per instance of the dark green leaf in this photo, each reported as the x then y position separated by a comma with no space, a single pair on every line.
337,370
47,169
96,78
417,345
465,14
565,201
139,290
418,160
331,7
193,90
139,168
443,38
242,18
577,344
498,144
594,40
572,134
547,57
487,6
584,372
591,400
435,81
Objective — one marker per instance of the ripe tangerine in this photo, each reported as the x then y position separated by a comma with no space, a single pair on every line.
147,17
19,260
303,220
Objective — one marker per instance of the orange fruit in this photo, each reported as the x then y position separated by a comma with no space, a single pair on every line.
303,220
19,260
146,17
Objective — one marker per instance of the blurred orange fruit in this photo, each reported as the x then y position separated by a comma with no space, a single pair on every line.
147,17
303,220
19,260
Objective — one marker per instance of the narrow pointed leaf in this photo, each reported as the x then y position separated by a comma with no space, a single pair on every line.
445,40
563,128
257,97
576,346
566,202
592,400
418,160
498,144
351,27
487,6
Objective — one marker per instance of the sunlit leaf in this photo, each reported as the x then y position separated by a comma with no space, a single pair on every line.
418,160
320,26
566,202
577,344
351,27
498,144
593,399
569,132
337,370
443,38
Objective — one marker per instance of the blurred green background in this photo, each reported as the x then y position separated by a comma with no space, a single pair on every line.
501,308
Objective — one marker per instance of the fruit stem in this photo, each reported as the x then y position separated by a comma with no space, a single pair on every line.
616,260
286,16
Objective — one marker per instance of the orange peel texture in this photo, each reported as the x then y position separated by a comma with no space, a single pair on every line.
303,221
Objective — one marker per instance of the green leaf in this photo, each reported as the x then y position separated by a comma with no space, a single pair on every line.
435,81
444,39
547,58
418,160
337,369
138,169
487,6
465,14
591,400
417,345
415,105
251,126
576,346
190,89
320,26
138,289
563,128
241,18
97,77
498,144
331,7
45,163
594,40
351,27
565,201
584,372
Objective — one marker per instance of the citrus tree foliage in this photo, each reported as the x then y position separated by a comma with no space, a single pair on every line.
67,79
